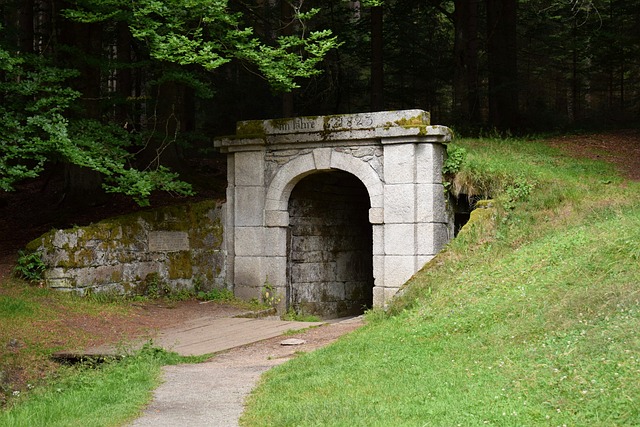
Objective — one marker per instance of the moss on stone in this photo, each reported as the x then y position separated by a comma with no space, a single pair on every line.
179,265
412,121
124,240
483,214
250,128
116,276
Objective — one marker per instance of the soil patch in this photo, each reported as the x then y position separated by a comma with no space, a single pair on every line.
620,148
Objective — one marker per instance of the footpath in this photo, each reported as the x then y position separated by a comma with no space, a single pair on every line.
213,393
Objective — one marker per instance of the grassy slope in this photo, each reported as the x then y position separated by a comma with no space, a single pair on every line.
530,317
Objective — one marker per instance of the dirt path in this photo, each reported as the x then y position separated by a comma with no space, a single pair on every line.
213,393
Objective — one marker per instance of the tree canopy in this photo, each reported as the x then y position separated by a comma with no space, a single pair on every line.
129,90
102,44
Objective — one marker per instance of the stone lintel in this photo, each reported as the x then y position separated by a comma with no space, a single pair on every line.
391,127
414,134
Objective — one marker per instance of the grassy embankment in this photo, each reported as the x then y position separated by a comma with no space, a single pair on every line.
530,317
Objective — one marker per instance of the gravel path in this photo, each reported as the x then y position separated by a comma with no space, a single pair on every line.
213,393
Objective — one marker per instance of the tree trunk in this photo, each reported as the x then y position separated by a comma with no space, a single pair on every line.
286,16
124,78
82,185
377,64
26,26
503,70
466,93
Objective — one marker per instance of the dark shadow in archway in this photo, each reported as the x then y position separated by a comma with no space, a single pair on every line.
330,246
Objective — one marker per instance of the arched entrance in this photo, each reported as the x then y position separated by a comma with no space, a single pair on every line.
391,160
330,246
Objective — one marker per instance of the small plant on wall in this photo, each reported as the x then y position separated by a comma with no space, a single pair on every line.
153,286
270,296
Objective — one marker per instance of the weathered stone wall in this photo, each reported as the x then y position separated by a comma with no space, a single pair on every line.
330,263
170,248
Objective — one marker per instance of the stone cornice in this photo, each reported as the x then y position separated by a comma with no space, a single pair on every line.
388,127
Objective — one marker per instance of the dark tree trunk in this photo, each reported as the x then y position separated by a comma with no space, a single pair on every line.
377,64
85,41
26,26
466,93
503,70
575,84
82,185
124,78
286,16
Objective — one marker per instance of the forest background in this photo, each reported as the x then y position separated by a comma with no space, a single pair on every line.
127,96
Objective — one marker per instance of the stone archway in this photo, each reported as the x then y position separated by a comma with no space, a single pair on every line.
398,158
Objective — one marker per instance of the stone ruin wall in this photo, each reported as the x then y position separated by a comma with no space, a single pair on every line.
166,249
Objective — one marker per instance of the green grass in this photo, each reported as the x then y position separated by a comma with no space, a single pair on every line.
295,316
36,391
530,317
14,307
104,395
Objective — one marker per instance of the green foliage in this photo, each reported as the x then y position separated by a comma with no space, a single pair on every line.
42,125
456,156
30,266
517,191
270,295
216,295
35,131
208,34
105,149
299,316
455,159
32,127
153,286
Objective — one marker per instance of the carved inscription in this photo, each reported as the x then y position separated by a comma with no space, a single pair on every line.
351,121
296,124
168,241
